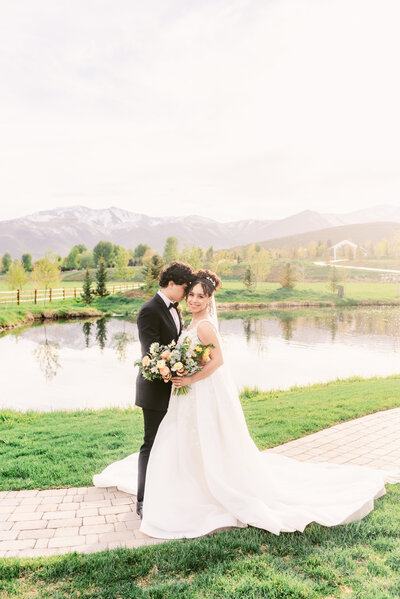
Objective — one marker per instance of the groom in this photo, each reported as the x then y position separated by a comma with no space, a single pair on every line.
158,321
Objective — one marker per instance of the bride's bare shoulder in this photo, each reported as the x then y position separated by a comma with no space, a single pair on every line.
206,331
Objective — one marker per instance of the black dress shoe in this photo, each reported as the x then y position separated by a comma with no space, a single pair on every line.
139,509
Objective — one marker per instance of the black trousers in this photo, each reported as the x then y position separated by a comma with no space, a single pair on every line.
152,420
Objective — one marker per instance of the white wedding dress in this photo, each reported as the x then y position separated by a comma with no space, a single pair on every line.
205,472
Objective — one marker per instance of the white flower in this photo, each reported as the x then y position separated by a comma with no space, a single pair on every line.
154,347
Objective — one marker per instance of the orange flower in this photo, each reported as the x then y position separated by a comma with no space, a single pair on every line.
181,372
165,373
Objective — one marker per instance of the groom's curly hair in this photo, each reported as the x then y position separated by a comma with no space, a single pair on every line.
178,272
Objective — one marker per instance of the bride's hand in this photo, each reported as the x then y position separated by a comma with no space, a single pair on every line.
181,381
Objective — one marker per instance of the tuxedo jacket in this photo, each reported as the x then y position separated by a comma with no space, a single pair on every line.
155,323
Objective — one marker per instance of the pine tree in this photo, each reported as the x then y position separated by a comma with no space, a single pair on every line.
101,278
287,277
151,272
248,279
333,279
87,295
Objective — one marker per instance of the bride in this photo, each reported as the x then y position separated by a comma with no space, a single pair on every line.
205,472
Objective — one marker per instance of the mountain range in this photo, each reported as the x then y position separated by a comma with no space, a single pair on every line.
62,228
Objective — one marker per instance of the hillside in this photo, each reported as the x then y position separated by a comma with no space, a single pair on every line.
360,234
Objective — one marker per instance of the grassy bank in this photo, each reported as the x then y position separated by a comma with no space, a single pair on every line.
42,450
359,560
13,315
234,291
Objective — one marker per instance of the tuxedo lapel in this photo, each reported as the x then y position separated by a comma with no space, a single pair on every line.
166,311
180,321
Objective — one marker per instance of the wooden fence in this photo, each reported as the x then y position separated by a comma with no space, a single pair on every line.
42,295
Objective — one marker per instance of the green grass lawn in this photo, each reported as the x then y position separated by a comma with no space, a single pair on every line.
43,450
234,291
359,560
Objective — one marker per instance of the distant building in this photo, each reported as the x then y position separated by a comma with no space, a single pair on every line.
348,243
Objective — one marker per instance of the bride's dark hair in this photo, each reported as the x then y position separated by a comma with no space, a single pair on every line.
208,279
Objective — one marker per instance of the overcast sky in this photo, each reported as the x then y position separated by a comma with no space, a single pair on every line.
223,108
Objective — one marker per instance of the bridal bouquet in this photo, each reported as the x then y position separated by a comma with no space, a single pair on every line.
162,362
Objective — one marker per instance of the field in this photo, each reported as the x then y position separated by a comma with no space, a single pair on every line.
354,291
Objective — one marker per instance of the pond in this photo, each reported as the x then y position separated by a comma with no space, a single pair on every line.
64,366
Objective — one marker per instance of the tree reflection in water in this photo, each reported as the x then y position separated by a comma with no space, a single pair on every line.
47,355
255,330
122,341
287,325
86,328
101,332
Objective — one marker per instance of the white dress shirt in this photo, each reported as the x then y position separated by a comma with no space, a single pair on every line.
174,312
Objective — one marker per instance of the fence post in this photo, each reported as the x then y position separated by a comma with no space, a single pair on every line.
35,296
113,289
75,292
63,292
50,290
17,297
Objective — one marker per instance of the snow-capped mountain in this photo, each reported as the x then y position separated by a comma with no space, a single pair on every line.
62,228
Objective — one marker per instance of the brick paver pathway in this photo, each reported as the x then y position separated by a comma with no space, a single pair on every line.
87,519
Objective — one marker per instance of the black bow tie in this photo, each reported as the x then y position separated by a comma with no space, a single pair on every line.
173,305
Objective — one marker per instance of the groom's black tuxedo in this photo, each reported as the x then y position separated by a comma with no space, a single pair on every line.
155,323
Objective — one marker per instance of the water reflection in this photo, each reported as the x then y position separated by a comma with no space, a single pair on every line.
47,355
101,332
90,364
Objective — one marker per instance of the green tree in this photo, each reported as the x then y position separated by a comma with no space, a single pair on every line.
86,259
287,279
140,251
248,279
72,261
170,249
87,295
259,261
6,261
151,271
121,263
101,278
105,250
16,276
46,271
193,256
27,262
209,256
333,279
